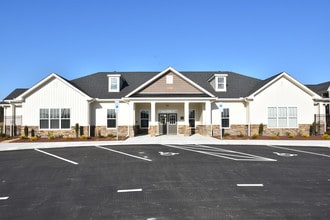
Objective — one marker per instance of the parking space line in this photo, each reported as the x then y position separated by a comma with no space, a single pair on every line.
129,190
4,198
119,152
248,185
53,155
223,153
301,151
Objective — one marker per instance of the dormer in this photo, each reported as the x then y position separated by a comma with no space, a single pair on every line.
114,82
219,82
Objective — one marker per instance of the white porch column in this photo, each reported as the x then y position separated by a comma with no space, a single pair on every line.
153,113
131,119
207,113
13,120
186,113
207,116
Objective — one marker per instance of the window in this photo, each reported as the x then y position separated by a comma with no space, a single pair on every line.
272,117
282,117
111,118
192,118
220,83
144,116
65,118
114,82
44,118
292,117
52,119
225,118
169,79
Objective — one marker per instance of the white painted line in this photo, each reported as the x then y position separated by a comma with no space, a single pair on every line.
248,185
58,157
119,152
222,153
301,151
4,198
285,154
129,190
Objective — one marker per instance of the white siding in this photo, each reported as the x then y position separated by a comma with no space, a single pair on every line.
237,113
100,113
282,93
55,94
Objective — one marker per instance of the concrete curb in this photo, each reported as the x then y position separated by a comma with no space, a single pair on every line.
146,140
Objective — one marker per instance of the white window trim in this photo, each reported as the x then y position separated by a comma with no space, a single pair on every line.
225,118
224,76
288,117
116,114
145,119
117,77
49,120
192,109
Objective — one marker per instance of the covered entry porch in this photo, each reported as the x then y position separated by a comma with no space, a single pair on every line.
170,117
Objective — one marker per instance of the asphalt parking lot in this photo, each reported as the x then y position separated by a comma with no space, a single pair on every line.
166,182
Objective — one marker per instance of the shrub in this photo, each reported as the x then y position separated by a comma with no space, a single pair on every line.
111,135
275,137
50,136
77,130
23,137
305,135
26,131
33,138
255,136
2,135
261,129
84,137
326,137
32,133
312,129
289,135
68,137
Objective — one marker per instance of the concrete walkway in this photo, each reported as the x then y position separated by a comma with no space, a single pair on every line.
166,139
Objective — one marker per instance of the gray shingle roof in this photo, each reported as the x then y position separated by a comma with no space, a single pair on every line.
14,94
321,89
96,85
237,85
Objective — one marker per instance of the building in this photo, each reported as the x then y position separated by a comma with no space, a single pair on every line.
168,102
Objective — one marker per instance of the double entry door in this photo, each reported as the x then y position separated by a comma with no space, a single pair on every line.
167,123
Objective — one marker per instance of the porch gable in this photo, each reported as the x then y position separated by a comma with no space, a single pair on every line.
170,83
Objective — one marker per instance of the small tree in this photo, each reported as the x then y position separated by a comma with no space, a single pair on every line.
77,130
312,129
26,131
261,129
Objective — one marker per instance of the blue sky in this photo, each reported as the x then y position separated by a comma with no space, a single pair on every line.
73,38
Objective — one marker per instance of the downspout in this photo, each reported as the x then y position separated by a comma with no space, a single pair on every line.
211,120
248,116
13,120
129,119
4,120
90,102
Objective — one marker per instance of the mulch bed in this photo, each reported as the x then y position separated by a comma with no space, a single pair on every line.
27,140
319,137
